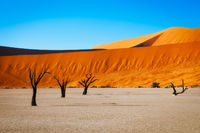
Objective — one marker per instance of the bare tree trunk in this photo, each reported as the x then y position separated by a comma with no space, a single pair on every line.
87,82
35,79
63,90
85,91
174,89
34,97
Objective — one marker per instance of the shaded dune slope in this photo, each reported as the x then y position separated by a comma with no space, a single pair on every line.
129,67
5,51
148,42
174,35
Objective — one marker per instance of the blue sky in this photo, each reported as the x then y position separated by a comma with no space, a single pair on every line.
82,24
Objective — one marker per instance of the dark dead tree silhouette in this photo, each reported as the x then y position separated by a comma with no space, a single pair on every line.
89,79
175,91
155,85
35,79
63,84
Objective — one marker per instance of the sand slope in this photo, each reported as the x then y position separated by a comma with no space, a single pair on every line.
130,67
174,35
5,51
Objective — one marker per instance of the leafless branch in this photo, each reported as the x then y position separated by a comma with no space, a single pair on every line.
175,91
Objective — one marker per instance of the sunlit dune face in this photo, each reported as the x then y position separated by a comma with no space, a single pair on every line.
129,67
174,35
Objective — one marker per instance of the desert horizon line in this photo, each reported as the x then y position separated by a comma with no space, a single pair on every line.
172,27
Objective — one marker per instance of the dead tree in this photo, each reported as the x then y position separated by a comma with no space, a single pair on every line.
155,85
89,79
175,91
35,79
63,84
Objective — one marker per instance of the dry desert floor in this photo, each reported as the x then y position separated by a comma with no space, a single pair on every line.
103,110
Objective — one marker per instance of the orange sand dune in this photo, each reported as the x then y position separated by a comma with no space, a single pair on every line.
130,67
174,35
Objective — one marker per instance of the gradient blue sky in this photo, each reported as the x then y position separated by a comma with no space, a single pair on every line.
82,24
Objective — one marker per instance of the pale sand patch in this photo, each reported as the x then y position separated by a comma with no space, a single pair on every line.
109,110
